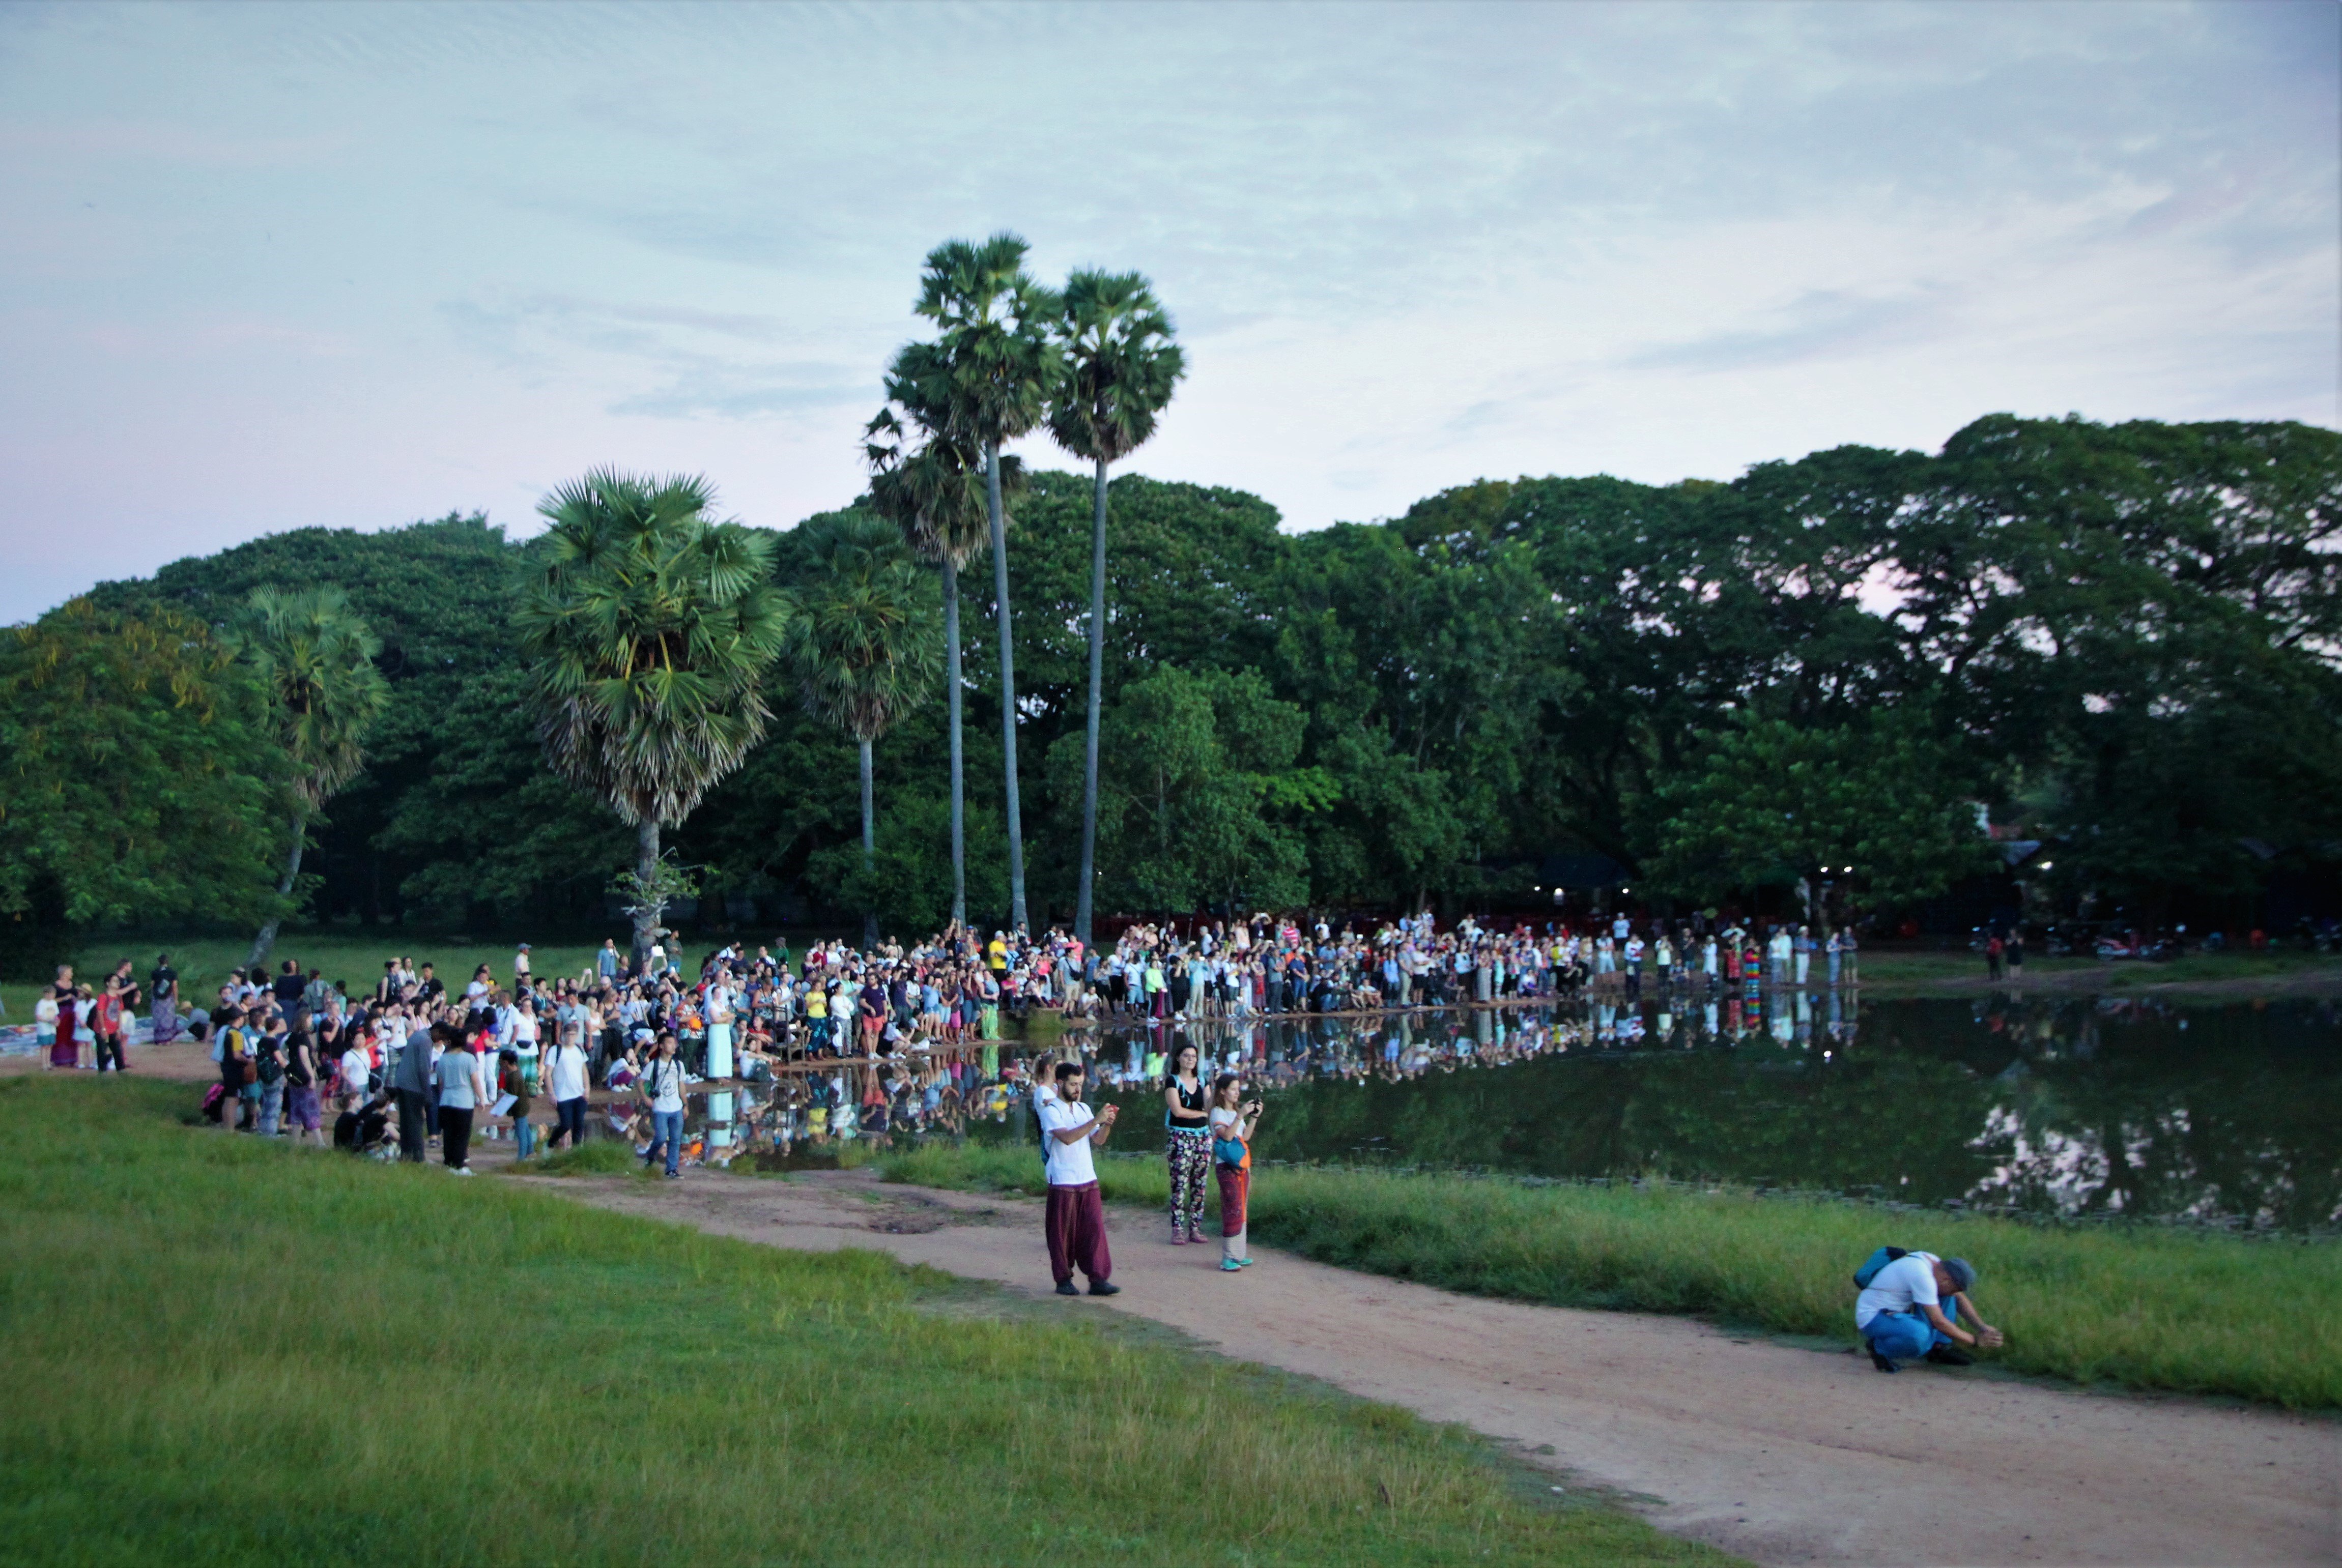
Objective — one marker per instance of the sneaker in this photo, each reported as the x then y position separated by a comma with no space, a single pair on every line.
1944,1355
1878,1361
463,1170
1102,1288
1068,1288
1244,1263
1177,1240
675,1175
1230,1266
1196,1240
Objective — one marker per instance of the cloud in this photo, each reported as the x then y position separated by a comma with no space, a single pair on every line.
1819,325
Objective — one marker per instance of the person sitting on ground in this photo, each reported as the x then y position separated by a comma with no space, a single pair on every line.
1900,1312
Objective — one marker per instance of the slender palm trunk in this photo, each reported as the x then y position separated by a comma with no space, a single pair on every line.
263,943
646,859
1007,682
958,754
869,854
1097,696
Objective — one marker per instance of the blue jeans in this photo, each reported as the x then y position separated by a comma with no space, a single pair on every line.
1903,1336
666,1127
523,1139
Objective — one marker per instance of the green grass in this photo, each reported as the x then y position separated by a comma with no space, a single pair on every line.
597,1157
1918,973
2136,1306
229,1352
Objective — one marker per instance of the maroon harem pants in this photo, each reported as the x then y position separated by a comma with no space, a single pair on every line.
1075,1223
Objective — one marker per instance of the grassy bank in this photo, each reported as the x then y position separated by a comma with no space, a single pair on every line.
230,1351
2140,1307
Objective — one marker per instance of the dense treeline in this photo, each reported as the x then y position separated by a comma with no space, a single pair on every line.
2120,640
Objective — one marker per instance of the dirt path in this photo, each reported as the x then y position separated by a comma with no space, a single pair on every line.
1781,1454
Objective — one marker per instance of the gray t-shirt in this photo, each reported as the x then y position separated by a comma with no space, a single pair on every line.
456,1069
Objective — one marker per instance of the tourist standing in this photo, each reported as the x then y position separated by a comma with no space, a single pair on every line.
511,1079
411,1081
564,1076
663,1082
301,1113
462,1088
236,1068
1846,951
1187,1143
1074,1220
1232,1125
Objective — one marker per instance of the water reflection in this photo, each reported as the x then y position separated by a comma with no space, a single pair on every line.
2068,1106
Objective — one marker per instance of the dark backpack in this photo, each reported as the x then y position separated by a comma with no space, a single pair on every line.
272,1067
1875,1261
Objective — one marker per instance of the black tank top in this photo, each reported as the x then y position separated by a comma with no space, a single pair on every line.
1190,1114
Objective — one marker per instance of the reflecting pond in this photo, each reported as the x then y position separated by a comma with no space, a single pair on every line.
2073,1106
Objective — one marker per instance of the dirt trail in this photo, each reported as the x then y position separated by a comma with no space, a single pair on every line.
1780,1454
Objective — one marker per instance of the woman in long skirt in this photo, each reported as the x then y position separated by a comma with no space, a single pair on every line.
1232,1125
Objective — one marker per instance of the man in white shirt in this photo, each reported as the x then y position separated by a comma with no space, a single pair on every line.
1075,1218
564,1072
1901,1313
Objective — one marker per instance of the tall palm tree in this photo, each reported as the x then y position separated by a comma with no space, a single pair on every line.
998,363
648,627
1121,367
862,647
931,487
316,656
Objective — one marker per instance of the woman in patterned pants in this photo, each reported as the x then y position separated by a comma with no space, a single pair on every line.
1188,1144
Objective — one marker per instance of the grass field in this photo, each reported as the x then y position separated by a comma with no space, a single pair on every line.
229,1352
2134,1307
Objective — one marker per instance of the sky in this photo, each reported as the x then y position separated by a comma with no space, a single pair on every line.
268,266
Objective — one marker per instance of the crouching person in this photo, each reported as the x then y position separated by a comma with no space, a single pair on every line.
1901,1312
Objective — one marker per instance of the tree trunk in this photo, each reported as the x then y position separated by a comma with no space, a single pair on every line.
267,939
1007,682
869,856
958,754
646,859
1097,696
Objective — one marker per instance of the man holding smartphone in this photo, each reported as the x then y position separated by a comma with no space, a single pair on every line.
1075,1219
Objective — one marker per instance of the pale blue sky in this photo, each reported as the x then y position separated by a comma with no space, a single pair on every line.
269,265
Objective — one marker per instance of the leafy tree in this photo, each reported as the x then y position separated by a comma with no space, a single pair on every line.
862,643
314,656
1199,793
142,779
421,588
494,835
932,486
650,628
1002,366
1120,368
1878,803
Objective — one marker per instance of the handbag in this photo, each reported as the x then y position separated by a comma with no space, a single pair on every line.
248,1070
1229,1151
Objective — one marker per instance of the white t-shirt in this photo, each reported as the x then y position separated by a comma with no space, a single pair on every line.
566,1067
1907,1281
1069,1164
355,1069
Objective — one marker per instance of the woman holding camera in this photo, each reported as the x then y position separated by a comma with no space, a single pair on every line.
1233,1119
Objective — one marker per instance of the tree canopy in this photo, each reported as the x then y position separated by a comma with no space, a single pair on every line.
2124,641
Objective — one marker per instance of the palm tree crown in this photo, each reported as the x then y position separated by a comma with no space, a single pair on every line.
1121,365
997,353
316,655
648,627
864,643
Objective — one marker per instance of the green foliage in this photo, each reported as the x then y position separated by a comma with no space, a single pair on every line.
1120,365
1198,792
647,628
865,635
142,779
316,656
2124,638
310,1322
1775,802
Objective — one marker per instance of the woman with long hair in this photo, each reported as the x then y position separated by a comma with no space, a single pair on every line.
1233,1120
1188,1143
463,1092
